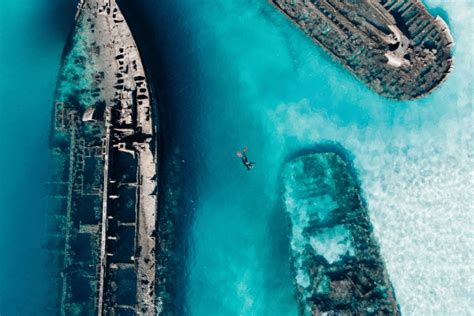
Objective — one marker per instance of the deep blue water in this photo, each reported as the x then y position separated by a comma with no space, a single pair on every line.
236,73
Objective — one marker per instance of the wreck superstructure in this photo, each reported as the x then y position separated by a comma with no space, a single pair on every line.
105,143
396,47
337,264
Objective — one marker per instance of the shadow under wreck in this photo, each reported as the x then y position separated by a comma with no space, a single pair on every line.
396,47
336,260
104,141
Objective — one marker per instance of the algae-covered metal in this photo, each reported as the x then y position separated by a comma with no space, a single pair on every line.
105,142
337,264
396,47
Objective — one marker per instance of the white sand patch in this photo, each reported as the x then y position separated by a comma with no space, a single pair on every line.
332,243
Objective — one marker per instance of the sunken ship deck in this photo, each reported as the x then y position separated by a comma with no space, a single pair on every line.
336,260
105,144
396,47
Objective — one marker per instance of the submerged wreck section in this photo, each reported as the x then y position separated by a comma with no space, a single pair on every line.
396,47
105,144
337,265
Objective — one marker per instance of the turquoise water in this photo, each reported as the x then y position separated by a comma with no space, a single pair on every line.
234,74
32,35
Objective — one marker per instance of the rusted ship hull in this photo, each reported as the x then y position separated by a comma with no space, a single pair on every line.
337,264
396,47
105,140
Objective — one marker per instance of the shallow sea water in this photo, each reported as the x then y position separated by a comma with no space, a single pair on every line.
243,75
234,74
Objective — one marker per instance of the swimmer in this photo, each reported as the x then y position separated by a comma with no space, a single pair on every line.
249,165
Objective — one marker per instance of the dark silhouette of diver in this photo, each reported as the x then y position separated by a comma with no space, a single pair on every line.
249,165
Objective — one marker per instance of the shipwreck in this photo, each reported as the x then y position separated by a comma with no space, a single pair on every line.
105,141
336,260
396,47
